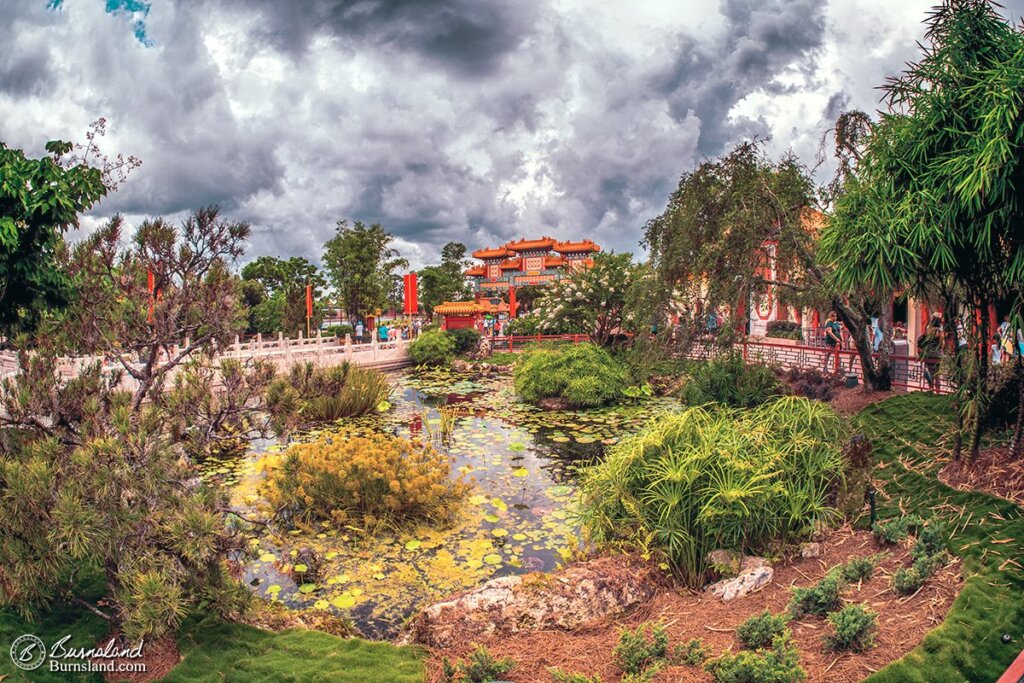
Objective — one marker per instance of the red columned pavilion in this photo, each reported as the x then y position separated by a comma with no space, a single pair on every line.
514,264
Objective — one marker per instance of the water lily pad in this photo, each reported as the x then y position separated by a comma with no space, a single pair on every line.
492,518
520,472
517,446
413,544
499,532
492,558
343,601
307,588
301,568
268,557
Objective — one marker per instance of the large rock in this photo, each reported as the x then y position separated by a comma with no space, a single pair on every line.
754,574
564,600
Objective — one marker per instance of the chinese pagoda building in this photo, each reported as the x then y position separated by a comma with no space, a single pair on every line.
515,264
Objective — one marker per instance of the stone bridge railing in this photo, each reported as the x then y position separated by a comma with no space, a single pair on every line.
283,352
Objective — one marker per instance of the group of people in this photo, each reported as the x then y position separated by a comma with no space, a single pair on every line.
1006,343
388,333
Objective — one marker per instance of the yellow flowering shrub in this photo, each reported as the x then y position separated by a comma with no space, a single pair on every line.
363,480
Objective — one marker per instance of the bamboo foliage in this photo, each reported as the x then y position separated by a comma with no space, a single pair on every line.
712,478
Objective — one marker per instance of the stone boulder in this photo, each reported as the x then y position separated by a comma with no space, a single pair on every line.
565,600
754,574
482,350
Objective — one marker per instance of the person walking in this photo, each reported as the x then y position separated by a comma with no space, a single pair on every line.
382,332
833,338
995,350
359,331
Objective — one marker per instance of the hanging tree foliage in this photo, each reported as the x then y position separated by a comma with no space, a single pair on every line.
935,204
726,222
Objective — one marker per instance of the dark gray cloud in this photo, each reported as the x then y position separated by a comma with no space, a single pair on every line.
466,120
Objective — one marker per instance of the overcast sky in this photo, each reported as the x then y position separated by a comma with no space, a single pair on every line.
469,120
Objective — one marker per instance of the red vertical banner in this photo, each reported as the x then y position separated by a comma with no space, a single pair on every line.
150,285
512,302
411,298
309,301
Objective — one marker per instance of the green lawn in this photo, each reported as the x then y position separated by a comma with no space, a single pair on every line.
216,650
968,645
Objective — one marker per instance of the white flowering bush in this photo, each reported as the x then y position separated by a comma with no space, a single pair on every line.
589,301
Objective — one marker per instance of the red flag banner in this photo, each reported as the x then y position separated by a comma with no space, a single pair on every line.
411,299
511,302
309,301
150,284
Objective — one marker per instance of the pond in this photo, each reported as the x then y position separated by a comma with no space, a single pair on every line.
517,519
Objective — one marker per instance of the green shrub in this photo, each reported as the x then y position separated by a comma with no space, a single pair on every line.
712,478
432,348
784,329
931,539
312,394
907,581
525,325
819,599
642,648
858,569
691,653
854,628
892,531
780,664
465,338
759,630
732,382
583,374
339,330
481,666
561,676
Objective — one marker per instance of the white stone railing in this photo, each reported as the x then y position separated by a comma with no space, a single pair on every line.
281,351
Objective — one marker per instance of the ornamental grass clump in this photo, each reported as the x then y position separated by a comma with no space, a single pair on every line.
309,394
362,481
733,382
584,375
711,478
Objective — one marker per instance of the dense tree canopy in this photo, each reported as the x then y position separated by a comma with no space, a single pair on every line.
726,222
40,199
280,302
362,265
935,204
444,282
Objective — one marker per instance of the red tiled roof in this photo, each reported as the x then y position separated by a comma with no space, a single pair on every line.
457,308
511,264
499,252
576,247
475,271
527,245
553,261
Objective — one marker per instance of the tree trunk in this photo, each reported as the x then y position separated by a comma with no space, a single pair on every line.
877,372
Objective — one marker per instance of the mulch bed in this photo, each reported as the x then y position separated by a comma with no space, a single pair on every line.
159,657
902,621
992,472
852,401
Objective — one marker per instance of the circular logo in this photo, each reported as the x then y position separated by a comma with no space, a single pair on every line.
28,652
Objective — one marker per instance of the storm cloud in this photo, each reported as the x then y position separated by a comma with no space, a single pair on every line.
468,120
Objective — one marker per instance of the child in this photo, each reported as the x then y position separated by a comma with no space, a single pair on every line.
996,350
